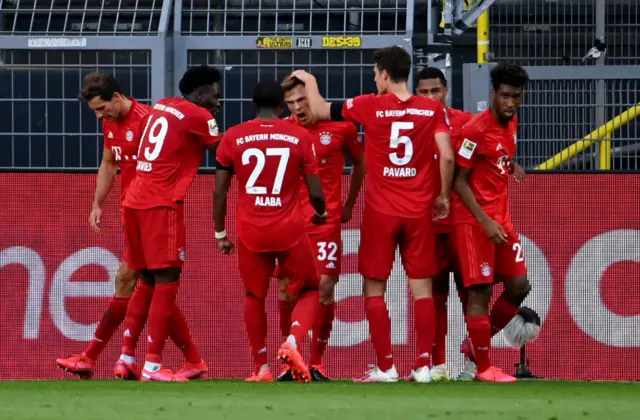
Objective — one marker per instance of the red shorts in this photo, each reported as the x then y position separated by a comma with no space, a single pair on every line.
480,258
327,244
380,234
446,252
154,238
297,264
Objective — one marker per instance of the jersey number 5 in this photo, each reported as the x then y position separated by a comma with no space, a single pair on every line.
251,187
157,134
396,140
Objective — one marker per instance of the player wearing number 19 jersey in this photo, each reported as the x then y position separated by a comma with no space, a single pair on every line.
400,130
269,157
486,241
174,139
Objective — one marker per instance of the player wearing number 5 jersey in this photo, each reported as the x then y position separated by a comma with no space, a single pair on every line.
486,241
269,157
175,136
401,132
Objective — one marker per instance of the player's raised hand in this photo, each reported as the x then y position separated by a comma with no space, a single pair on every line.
94,219
518,172
495,232
305,77
319,219
441,208
347,214
225,246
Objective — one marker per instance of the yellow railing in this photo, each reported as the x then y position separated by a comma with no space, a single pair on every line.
604,132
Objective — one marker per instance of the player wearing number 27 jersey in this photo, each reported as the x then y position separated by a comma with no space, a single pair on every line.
401,132
269,157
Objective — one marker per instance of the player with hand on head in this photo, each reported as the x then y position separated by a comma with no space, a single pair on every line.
175,137
487,244
403,132
121,126
331,141
269,157
432,84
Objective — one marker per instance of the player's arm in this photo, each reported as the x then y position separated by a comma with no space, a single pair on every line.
443,142
106,176
309,169
320,108
356,154
224,172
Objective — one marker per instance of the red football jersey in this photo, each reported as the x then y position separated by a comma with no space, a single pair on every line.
487,147
399,148
268,157
123,138
331,140
173,142
457,119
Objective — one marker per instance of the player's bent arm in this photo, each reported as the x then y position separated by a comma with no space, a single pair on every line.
223,182
316,195
358,170
447,162
106,176
461,187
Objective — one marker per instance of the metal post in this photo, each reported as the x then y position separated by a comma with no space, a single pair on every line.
603,152
483,37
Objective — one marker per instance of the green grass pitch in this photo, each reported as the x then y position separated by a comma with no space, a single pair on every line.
204,400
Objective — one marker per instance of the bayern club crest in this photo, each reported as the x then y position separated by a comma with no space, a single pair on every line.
129,135
486,269
325,138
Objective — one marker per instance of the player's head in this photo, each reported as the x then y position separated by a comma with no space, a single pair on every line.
392,65
432,84
508,81
103,95
201,85
295,95
268,96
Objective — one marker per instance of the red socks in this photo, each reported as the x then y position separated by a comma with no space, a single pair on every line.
181,336
286,308
162,306
255,320
136,317
380,330
304,315
439,356
501,314
111,320
480,333
424,318
321,333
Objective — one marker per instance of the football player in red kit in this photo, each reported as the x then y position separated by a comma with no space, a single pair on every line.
487,244
175,136
269,157
432,84
121,120
331,141
402,132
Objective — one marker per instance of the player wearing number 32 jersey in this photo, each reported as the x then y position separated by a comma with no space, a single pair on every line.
176,134
402,132
269,157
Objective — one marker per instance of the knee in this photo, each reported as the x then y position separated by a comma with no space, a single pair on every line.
283,282
518,288
327,291
125,282
371,287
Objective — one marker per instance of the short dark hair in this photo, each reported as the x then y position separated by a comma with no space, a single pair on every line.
395,61
197,77
432,73
268,95
508,74
290,83
98,85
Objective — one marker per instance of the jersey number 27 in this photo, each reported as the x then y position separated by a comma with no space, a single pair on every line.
261,158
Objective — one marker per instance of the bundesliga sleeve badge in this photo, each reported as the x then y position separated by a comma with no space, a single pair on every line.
213,127
467,149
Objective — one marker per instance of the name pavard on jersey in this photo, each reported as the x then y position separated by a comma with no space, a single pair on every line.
397,138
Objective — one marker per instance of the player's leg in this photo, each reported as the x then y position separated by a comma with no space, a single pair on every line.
255,270
476,255
84,364
328,263
418,251
512,269
285,305
298,264
180,334
378,241
440,296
